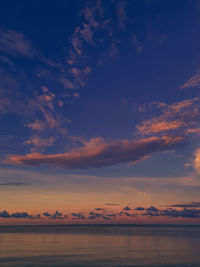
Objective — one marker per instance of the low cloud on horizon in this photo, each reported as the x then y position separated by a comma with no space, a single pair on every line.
190,210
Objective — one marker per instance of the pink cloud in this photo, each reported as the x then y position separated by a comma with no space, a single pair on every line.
192,82
37,125
183,114
156,126
39,142
98,153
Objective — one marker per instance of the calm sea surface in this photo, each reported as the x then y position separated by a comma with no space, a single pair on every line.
151,246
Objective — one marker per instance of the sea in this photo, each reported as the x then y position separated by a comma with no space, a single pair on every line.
100,246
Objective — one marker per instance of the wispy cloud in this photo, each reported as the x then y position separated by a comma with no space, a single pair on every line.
98,153
13,184
137,44
179,115
121,13
194,81
42,112
15,44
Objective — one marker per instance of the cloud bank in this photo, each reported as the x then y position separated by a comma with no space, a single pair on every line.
186,210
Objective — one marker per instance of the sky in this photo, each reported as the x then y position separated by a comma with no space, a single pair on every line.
99,111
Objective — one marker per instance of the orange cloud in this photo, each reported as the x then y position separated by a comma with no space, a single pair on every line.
183,114
156,126
194,131
196,162
98,153
39,142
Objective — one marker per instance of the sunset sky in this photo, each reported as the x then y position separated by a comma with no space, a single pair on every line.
99,111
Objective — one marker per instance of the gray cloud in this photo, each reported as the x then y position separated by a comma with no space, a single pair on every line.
186,205
173,213
139,208
126,208
79,215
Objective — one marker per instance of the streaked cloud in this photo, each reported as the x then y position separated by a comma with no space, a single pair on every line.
194,81
186,205
98,153
13,184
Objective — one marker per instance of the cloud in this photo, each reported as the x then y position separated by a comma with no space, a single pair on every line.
51,123
37,125
105,216
13,184
67,83
127,214
98,153
92,12
21,215
121,13
139,208
94,215
87,34
126,208
196,162
179,115
4,214
17,215
184,213
39,110
137,44
194,81
79,216
185,210
46,214
79,75
25,215
100,209
186,205
15,44
83,34
193,131
39,142
56,215
152,211
173,213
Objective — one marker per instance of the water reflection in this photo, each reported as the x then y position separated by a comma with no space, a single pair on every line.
100,246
